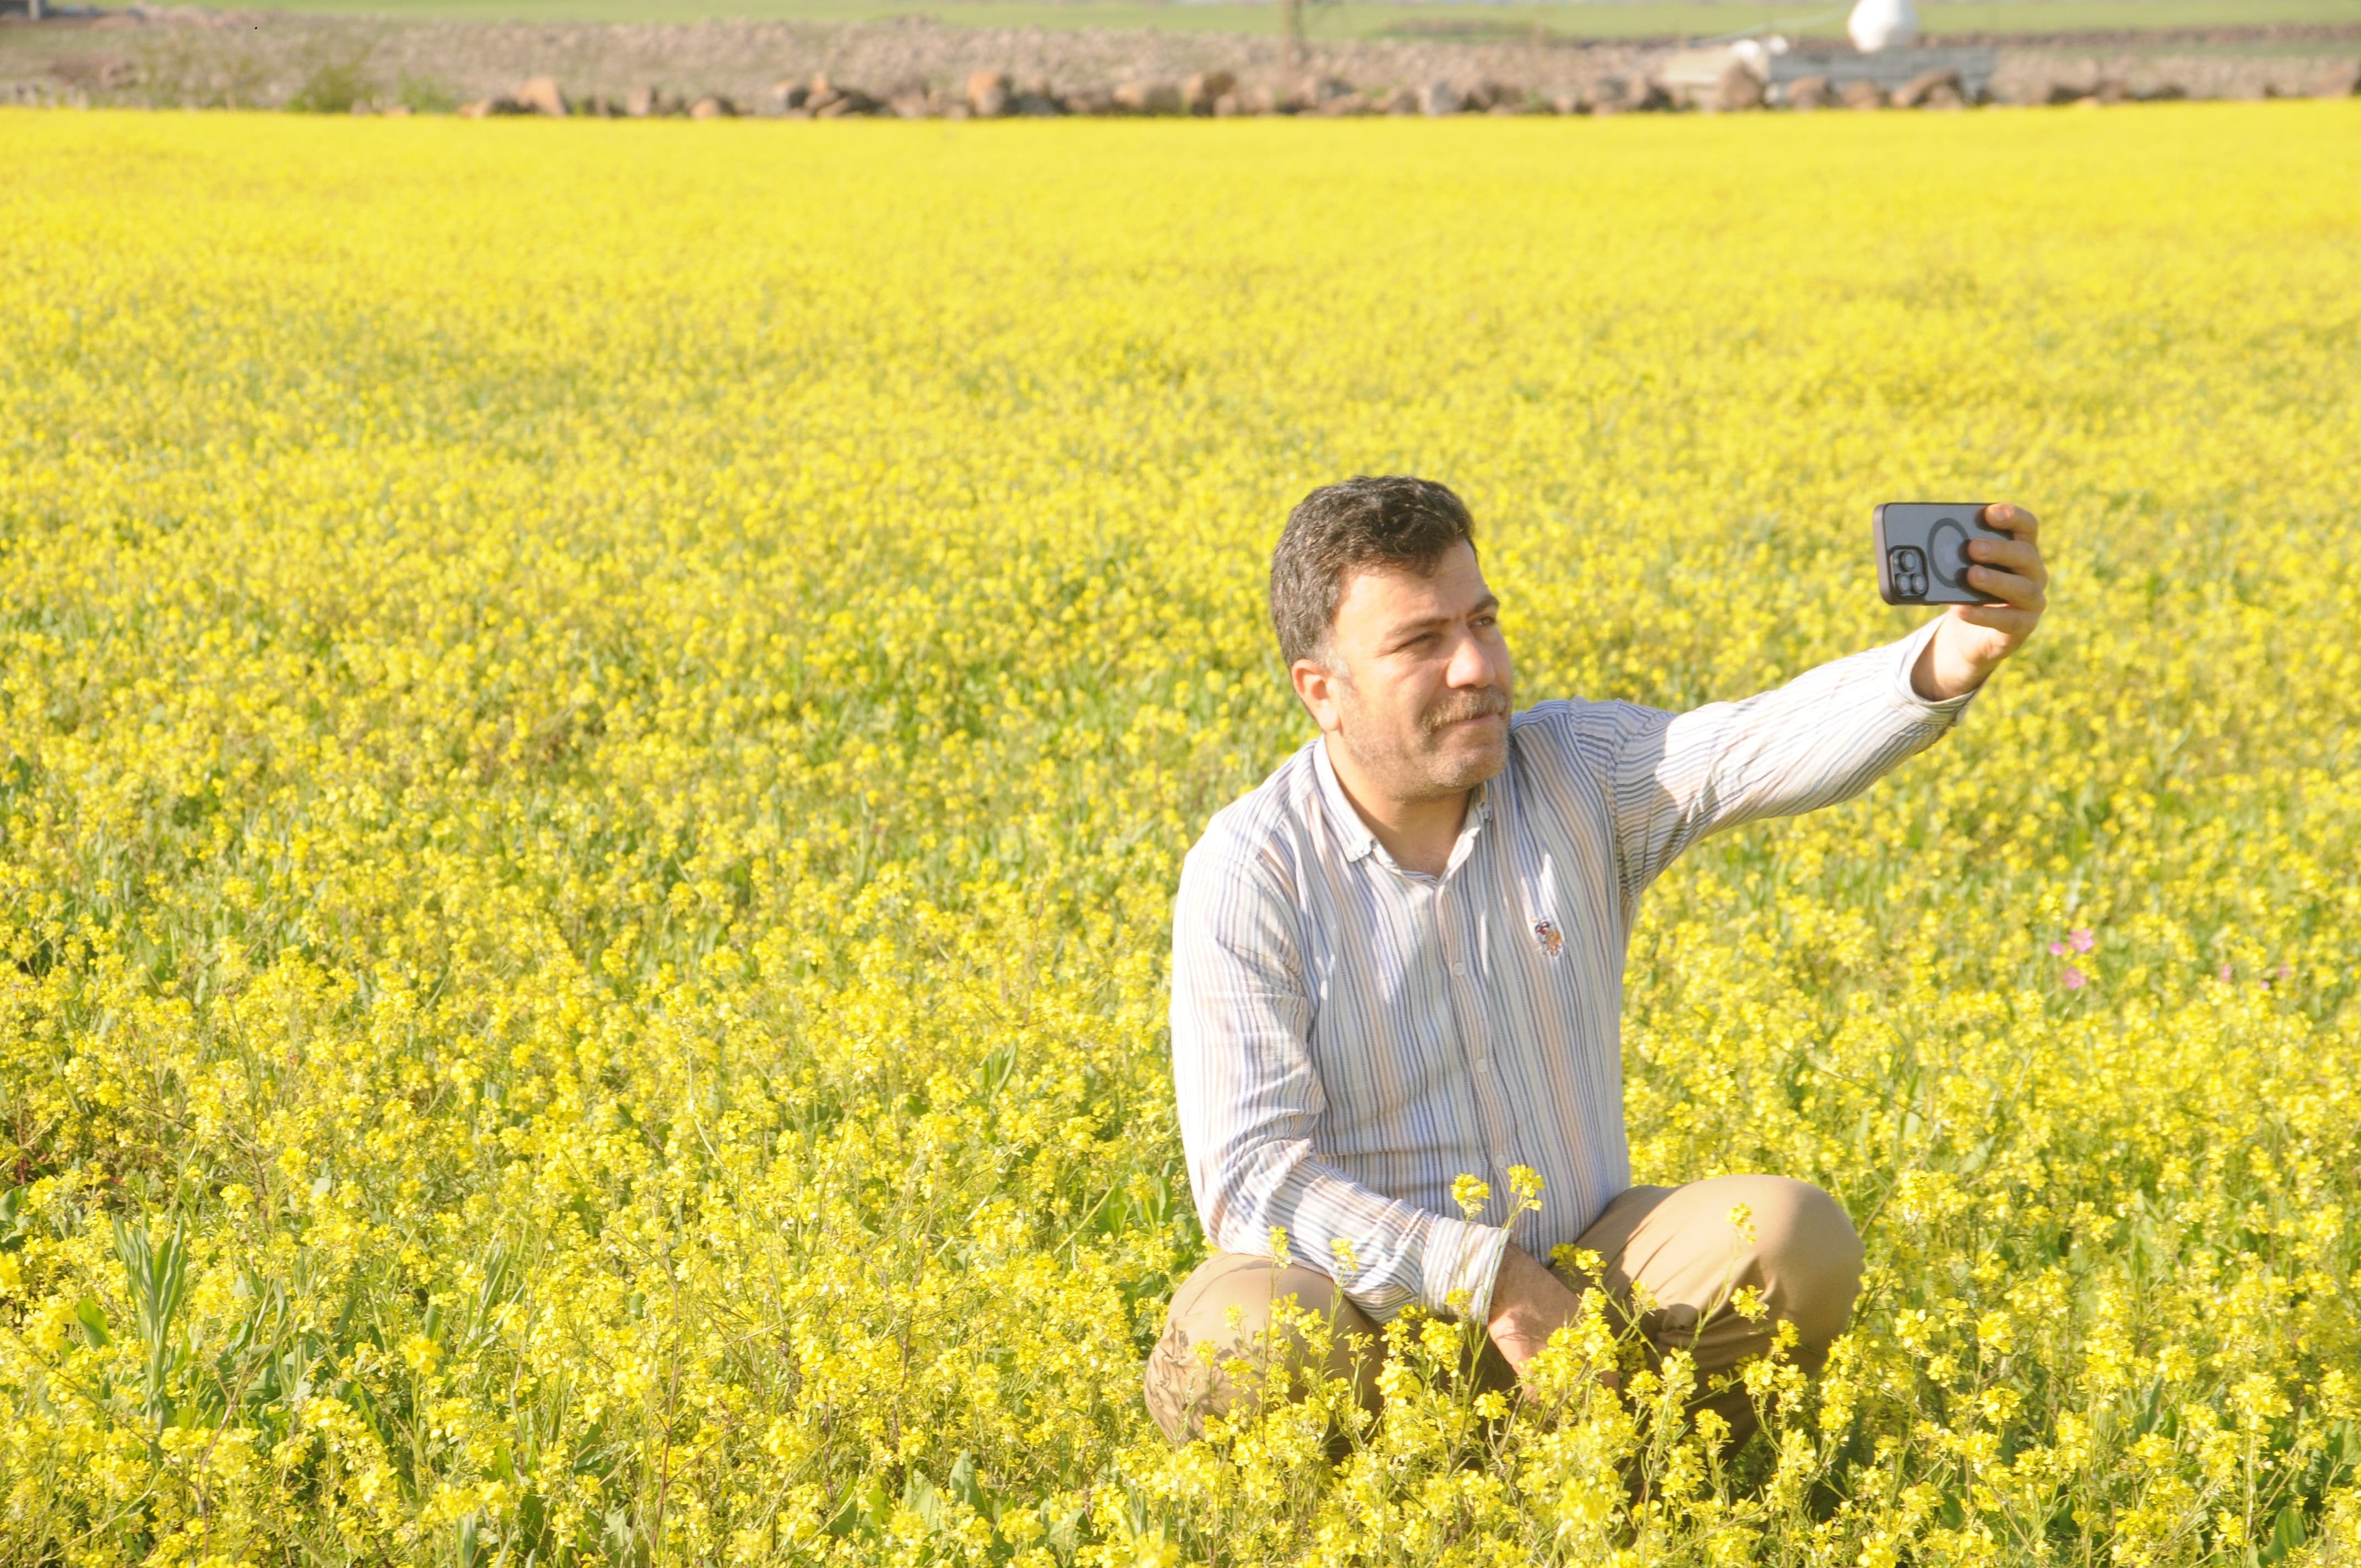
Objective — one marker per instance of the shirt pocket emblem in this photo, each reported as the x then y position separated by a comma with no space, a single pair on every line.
1547,933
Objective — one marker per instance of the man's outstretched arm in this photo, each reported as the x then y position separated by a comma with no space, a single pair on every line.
1822,738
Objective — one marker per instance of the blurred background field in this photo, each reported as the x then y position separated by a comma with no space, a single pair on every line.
1609,19
597,720
436,55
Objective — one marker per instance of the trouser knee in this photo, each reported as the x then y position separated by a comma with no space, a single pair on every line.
1221,1351
1809,1259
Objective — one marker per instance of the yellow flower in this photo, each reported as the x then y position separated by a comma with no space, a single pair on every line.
1471,1194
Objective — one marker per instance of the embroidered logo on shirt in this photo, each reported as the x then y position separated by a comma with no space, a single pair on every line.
1547,933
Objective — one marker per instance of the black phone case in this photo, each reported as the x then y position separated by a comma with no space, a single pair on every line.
1922,550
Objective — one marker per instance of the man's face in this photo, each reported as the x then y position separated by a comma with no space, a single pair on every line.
1415,683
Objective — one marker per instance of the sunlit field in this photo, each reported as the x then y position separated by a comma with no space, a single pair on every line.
598,721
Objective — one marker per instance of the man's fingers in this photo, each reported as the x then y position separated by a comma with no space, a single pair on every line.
2006,586
2015,624
2011,555
2014,519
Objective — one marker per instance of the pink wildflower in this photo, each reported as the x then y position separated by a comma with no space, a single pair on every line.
2081,940
2074,978
2056,950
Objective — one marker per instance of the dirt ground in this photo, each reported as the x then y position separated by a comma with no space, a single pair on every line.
191,57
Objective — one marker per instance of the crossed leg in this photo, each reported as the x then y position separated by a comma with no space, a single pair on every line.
1675,1245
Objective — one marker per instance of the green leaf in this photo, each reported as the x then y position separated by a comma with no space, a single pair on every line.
2286,1535
94,1321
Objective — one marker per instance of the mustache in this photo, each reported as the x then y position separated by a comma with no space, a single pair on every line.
1463,706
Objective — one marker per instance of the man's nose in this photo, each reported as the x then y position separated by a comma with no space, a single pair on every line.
1471,665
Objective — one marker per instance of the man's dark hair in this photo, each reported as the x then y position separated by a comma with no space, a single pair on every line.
1389,521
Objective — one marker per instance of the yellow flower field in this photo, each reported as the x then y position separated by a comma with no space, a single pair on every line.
597,722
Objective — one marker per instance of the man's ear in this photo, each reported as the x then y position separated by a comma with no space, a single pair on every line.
1317,688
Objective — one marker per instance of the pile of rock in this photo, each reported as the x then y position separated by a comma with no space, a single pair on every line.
997,95
1689,81
1929,90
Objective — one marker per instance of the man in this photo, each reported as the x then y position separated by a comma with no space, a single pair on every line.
1400,960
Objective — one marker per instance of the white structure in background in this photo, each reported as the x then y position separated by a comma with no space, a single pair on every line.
1701,79
1881,24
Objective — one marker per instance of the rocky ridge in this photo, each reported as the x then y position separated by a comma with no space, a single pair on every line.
920,68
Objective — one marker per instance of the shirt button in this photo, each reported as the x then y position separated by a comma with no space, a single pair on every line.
1483,1064
1459,968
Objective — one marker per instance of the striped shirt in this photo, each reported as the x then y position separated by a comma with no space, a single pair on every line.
1349,1036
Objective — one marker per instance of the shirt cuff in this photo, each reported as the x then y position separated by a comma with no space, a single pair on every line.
1909,648
1461,1258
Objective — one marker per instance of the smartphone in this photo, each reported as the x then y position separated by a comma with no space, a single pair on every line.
1922,550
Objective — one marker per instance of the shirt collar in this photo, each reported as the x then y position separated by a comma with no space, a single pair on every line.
1352,832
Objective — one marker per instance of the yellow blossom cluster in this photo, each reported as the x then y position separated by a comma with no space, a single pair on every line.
596,723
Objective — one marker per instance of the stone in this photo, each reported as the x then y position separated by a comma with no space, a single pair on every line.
989,93
397,111
1229,105
1567,103
1318,92
642,102
1036,103
834,101
2340,81
1739,89
1629,96
1863,95
1808,93
1439,98
1148,97
1200,91
539,96
1915,93
713,107
1090,101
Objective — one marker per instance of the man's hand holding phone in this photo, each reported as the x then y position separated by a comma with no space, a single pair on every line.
1973,638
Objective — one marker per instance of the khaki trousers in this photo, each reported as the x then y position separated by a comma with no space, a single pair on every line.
1675,1242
